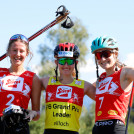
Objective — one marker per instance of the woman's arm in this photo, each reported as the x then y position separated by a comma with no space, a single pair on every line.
89,90
35,96
44,82
129,73
127,78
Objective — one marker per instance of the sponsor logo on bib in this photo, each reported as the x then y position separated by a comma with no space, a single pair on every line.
112,112
64,92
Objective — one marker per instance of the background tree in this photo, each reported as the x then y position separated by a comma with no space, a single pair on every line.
77,35
132,113
87,120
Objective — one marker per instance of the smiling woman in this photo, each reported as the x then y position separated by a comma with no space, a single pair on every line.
113,87
18,86
64,92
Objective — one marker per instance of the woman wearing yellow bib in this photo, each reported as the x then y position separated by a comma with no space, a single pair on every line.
64,93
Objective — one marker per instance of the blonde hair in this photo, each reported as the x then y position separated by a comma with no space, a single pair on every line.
118,63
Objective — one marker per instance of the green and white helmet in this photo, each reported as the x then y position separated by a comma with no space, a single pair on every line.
103,42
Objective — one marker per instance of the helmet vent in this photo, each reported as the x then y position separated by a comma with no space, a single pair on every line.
103,40
98,43
110,39
61,48
66,49
111,42
71,48
94,43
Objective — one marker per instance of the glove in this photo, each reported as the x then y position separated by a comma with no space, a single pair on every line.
31,115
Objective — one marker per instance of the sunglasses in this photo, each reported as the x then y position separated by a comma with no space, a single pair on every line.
105,54
63,61
19,36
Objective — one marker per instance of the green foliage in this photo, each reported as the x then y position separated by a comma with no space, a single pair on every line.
131,128
47,69
37,127
87,120
132,116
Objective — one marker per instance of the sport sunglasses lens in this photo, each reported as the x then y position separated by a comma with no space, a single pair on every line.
19,36
64,60
70,61
98,55
105,54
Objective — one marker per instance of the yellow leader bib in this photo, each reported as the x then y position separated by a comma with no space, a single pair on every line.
64,105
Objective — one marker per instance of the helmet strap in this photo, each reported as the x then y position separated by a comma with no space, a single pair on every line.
76,70
56,72
97,70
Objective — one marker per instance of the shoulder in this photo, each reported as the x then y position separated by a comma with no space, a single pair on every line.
87,85
127,73
36,80
79,83
35,77
30,72
126,69
103,75
36,84
89,90
45,81
3,69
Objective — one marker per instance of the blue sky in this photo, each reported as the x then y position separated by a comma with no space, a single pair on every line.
114,18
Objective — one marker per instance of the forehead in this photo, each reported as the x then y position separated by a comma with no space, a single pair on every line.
103,49
18,44
65,58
